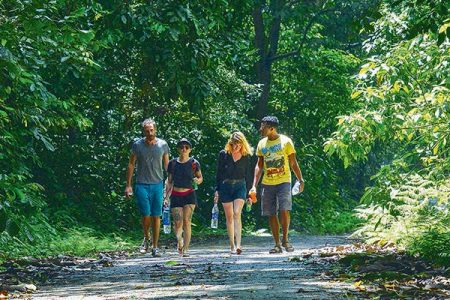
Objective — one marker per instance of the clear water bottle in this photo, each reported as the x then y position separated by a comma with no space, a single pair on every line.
296,188
215,216
166,219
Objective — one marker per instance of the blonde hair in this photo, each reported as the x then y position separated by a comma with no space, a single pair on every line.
239,137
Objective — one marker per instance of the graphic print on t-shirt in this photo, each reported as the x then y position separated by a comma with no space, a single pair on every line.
274,159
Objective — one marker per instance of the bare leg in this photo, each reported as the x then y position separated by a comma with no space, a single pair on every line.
285,218
275,228
237,209
177,214
155,223
188,210
228,208
146,226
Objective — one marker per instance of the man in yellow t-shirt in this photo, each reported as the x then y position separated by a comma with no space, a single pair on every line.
276,158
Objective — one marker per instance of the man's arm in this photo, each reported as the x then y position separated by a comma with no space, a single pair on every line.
165,161
296,168
168,189
258,172
130,170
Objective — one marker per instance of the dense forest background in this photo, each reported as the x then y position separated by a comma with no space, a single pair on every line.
360,86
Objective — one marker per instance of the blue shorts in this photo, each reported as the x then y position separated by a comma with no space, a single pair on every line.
232,190
149,198
275,198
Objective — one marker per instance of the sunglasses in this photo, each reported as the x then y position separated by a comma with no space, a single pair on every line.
184,147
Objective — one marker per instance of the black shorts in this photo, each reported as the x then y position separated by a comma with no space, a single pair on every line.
182,200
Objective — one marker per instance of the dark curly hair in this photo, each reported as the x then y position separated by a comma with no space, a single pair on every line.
272,121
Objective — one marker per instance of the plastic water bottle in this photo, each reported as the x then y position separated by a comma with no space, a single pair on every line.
166,219
248,206
252,195
194,185
296,188
215,216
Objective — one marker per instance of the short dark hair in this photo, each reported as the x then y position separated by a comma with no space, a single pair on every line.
272,121
184,141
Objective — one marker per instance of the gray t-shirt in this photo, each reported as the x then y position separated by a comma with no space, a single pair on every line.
149,160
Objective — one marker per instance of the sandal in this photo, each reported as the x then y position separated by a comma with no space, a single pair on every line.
180,248
276,249
288,247
238,251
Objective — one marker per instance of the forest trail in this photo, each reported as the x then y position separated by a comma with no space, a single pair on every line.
210,272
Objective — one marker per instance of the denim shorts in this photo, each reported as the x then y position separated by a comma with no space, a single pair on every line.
149,198
232,190
275,197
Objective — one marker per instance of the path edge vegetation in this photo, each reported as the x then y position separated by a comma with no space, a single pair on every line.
76,79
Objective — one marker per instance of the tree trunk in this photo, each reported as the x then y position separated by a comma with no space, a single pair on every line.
267,48
263,73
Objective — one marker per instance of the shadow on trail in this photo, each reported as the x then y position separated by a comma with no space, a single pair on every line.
211,272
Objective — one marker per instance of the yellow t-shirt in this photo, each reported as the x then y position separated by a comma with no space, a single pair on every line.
276,160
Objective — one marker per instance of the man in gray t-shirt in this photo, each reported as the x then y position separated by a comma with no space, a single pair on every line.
152,157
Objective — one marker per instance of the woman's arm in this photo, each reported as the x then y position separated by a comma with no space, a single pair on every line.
198,177
220,169
249,169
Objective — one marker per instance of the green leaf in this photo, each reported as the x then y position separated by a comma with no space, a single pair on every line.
355,94
444,27
171,263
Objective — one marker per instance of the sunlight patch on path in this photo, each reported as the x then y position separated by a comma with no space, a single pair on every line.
211,272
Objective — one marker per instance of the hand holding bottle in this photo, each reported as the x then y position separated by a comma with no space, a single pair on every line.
298,187
128,191
252,195
215,216
195,183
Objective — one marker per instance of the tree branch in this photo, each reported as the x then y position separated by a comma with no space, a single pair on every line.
303,40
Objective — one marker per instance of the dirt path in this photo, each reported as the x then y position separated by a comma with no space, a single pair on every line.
209,273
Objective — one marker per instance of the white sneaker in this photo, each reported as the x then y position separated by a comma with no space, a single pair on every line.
144,246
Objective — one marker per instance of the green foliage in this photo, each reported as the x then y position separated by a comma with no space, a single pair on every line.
85,241
81,241
401,126
76,78
36,43
432,245
412,207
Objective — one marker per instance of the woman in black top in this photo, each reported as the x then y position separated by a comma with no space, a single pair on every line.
184,175
233,179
